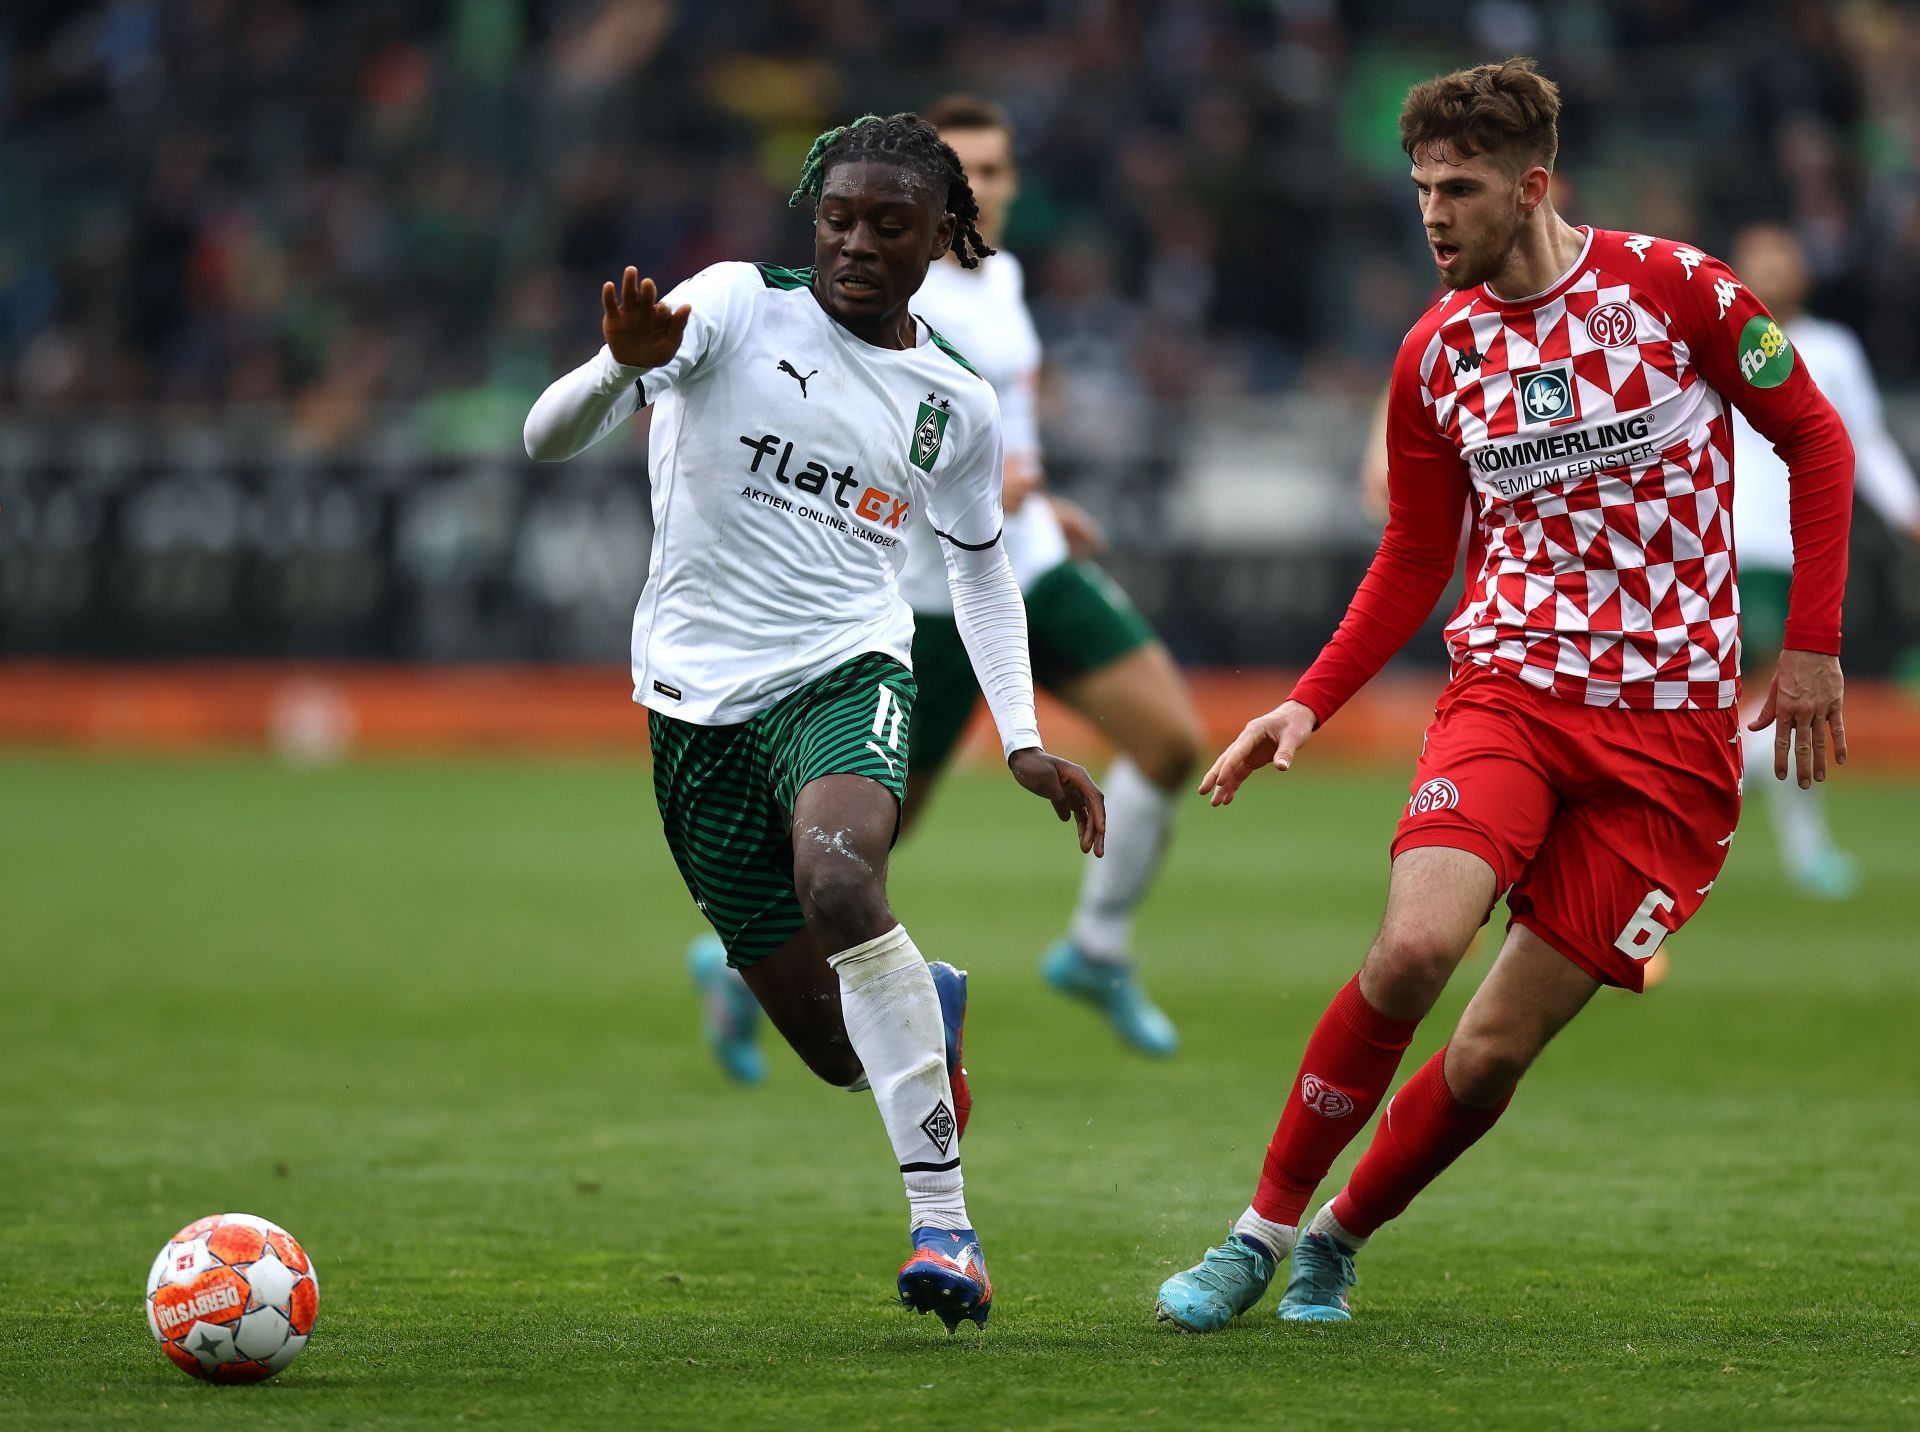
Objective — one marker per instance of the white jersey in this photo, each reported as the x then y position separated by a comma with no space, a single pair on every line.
787,457
1761,508
983,312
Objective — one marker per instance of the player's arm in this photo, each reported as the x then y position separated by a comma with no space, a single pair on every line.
643,336
1744,354
1025,472
1427,491
1881,470
966,518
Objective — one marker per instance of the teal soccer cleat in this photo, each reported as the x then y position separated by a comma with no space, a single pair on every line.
1829,873
1317,1292
1115,992
731,1013
1216,1290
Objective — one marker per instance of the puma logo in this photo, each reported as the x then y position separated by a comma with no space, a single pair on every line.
794,373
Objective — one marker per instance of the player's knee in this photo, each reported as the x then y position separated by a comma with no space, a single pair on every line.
842,897
1484,1067
1170,756
1413,961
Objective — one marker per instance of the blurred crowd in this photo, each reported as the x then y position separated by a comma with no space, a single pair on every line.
401,210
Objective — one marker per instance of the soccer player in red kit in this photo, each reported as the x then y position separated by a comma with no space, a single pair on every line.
1573,385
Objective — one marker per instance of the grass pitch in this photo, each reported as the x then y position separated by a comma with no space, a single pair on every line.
434,1018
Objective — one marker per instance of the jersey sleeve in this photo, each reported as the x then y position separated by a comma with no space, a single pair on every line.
964,505
580,408
1882,472
722,299
1427,493
1020,399
1739,349
987,606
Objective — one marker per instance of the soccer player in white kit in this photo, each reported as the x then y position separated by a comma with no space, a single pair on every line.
1091,647
1776,269
800,416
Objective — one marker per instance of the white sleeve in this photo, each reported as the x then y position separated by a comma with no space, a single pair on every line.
584,406
966,516
992,618
1020,403
1019,415
1881,471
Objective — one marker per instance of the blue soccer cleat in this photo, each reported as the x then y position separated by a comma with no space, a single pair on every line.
1217,1289
947,1275
731,1013
951,985
1322,1274
1115,992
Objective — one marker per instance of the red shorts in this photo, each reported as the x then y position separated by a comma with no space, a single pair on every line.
1605,828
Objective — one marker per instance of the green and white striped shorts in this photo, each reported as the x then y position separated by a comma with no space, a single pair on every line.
726,793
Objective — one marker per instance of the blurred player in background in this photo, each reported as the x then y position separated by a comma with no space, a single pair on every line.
1091,647
800,414
1573,387
1771,261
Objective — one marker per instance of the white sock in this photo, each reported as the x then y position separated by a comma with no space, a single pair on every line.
1276,1238
1799,817
1139,817
1327,1226
893,1020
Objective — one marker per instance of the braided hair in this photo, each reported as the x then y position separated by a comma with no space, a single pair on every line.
910,142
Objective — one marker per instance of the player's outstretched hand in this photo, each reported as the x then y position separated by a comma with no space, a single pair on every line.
1071,790
641,331
1803,707
1273,739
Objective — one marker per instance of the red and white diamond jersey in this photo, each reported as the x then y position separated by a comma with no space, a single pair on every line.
1589,428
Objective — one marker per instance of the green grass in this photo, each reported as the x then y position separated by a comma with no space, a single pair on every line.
434,1019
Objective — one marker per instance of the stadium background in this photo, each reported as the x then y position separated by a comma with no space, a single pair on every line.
278,282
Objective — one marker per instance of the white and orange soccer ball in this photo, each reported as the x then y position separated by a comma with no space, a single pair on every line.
232,1298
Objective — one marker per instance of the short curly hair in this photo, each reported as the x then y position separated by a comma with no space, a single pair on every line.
1508,110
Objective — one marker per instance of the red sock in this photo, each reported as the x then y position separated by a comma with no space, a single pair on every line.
1424,1129
1348,1064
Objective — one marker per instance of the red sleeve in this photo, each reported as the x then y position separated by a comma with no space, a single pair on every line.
1748,359
1427,492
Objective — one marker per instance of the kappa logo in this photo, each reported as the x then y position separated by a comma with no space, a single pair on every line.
1468,360
1437,794
1690,259
1638,245
1546,395
794,373
1724,289
939,1127
1325,1100
929,431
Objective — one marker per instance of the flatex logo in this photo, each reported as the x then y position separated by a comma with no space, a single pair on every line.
1545,395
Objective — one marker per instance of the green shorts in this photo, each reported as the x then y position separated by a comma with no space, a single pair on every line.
1763,613
1078,620
726,793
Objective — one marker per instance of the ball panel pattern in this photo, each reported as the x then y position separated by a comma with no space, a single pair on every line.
232,1298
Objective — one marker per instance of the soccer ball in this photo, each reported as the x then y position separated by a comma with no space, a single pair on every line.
232,1298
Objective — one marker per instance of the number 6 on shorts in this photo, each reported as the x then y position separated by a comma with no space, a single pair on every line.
1643,934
